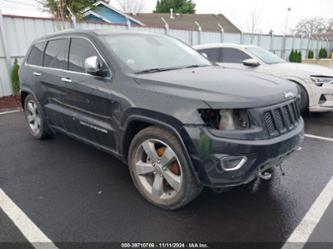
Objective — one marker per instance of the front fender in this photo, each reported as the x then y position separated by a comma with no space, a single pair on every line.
166,122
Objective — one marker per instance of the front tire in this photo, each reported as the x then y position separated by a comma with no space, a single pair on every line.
159,169
35,118
304,104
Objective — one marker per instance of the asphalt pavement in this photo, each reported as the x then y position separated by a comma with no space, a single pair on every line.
75,193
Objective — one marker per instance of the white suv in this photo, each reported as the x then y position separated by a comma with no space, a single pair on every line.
316,82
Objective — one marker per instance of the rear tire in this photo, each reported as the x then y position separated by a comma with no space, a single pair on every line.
35,118
159,169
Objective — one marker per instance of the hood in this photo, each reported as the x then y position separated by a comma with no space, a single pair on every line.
302,70
219,87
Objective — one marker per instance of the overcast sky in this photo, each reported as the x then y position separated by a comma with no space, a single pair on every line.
272,12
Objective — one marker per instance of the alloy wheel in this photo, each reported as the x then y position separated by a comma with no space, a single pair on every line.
33,117
158,169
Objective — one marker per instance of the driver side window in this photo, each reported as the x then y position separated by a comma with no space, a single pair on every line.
80,50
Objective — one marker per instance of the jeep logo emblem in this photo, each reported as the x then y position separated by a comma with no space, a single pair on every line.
288,95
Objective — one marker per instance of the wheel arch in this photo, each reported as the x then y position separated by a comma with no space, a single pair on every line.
302,84
24,92
135,123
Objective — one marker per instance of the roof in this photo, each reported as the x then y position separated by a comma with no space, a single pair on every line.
90,11
221,45
208,22
95,32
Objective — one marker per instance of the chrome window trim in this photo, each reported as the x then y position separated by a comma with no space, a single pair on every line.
65,70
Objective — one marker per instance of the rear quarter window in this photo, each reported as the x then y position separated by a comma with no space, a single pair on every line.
232,55
213,54
35,56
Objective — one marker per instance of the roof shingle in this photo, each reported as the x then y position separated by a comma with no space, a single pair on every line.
208,22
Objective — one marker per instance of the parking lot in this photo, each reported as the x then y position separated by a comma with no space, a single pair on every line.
74,193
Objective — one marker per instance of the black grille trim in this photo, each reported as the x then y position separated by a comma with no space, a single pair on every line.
281,119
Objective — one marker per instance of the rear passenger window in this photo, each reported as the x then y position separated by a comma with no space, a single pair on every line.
80,49
56,54
36,54
213,54
232,55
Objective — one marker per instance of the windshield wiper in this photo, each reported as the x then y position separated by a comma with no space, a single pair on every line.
193,66
157,69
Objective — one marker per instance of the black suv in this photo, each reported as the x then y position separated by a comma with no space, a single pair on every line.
178,121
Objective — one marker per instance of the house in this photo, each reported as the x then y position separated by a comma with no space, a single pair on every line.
110,13
103,12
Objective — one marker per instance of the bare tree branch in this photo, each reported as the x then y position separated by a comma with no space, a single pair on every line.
132,6
311,26
254,20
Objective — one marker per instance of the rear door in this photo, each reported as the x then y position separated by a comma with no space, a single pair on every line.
33,68
233,58
53,80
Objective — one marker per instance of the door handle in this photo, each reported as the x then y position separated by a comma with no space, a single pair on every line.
36,74
67,80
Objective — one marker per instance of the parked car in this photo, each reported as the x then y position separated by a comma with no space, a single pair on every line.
315,82
179,122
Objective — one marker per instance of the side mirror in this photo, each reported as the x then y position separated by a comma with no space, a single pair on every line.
251,63
94,66
204,55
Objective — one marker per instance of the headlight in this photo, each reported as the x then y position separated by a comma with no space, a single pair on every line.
320,80
226,119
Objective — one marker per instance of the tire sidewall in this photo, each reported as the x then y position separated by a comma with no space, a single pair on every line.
175,146
40,134
304,99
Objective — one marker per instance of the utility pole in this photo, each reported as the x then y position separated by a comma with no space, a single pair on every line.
287,21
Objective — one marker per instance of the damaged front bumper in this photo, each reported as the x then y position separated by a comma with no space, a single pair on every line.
221,162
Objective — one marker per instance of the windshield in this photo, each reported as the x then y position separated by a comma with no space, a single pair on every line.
151,53
265,55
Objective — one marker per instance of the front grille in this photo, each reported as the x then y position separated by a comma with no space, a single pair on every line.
280,119
269,122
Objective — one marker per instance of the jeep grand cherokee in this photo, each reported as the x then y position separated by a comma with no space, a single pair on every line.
179,122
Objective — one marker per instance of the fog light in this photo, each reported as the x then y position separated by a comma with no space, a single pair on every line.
232,163
322,99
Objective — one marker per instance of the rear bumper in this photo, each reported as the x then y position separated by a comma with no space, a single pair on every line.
213,152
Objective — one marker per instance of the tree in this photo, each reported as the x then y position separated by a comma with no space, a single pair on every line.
311,26
178,6
310,54
59,8
15,77
295,56
329,26
132,6
254,20
322,53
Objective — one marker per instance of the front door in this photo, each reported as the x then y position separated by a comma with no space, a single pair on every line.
89,97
